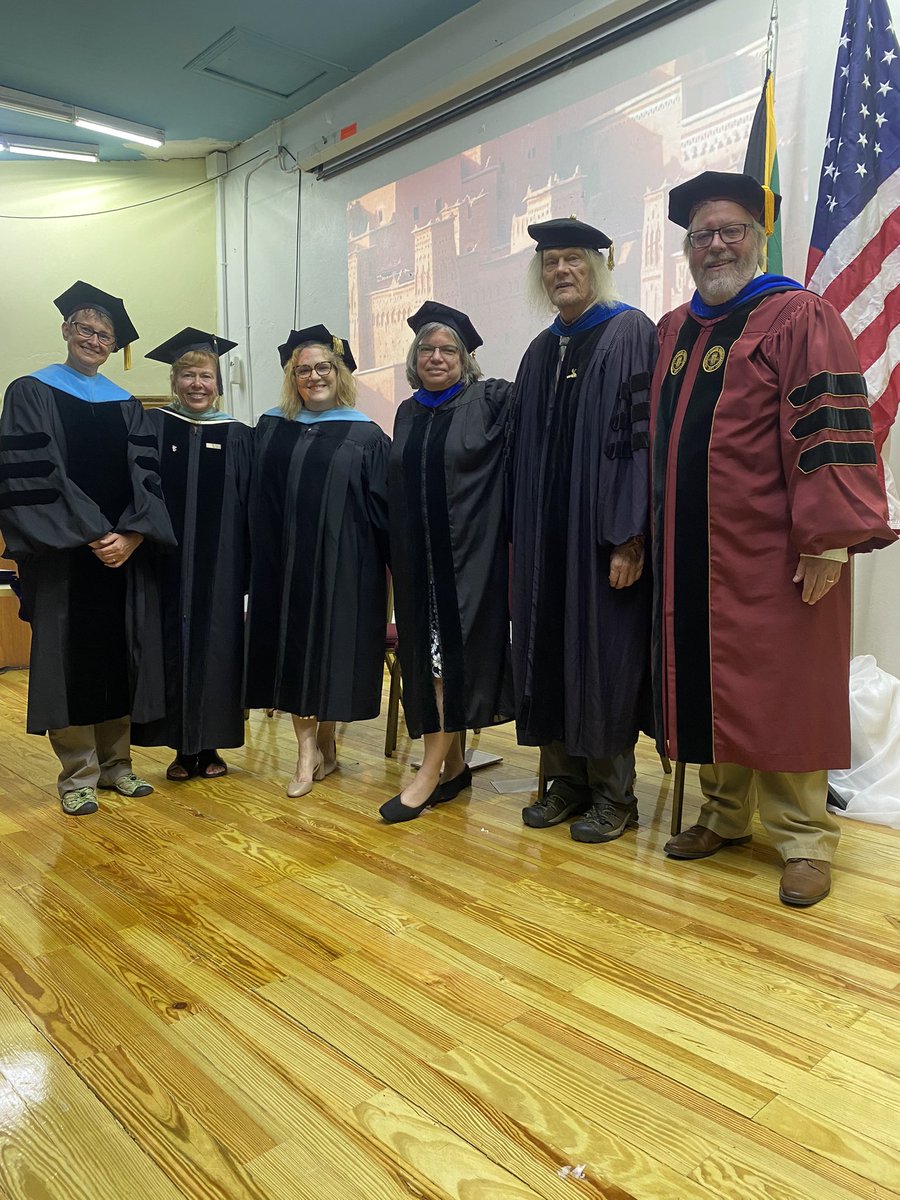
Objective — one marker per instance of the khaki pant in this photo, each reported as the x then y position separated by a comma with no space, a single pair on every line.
791,808
92,755
574,776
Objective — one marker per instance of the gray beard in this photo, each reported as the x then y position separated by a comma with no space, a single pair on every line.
724,285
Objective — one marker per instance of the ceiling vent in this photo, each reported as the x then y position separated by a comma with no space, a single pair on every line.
269,68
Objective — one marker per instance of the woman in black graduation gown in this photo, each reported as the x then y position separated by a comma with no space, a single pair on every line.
449,553
318,530
205,461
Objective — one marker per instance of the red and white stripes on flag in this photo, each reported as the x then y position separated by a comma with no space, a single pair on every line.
859,274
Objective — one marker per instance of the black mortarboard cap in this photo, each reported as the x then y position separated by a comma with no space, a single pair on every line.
190,339
719,185
432,313
567,231
317,335
85,295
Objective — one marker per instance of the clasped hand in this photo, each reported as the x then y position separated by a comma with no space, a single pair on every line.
114,549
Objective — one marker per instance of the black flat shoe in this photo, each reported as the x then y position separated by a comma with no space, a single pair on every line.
394,810
451,789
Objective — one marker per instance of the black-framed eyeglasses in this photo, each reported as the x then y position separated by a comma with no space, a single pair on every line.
700,239
426,351
322,369
86,331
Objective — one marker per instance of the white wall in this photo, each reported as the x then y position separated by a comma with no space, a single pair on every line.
159,255
261,224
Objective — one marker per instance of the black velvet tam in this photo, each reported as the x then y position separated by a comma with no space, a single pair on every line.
432,313
85,295
317,335
718,185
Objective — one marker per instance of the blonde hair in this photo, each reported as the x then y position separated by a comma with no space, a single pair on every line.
603,287
195,358
291,402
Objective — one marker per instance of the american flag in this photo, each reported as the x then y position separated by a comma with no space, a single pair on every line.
854,252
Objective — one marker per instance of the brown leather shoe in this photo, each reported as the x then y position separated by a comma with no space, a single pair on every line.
805,881
699,842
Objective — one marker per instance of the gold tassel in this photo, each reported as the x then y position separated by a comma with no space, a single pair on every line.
126,355
338,345
768,209
610,258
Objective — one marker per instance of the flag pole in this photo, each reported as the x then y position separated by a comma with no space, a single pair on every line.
772,39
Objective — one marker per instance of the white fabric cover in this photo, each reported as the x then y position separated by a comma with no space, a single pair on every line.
871,787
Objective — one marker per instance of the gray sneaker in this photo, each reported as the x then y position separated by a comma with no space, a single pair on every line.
131,785
604,822
552,809
80,803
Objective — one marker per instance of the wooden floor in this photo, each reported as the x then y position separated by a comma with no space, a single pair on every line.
220,993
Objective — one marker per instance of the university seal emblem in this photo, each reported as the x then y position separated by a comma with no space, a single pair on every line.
713,359
677,362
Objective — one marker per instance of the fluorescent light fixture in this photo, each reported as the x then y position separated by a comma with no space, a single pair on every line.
128,131
34,106
17,143
84,118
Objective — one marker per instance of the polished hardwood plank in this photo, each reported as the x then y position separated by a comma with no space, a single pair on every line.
219,993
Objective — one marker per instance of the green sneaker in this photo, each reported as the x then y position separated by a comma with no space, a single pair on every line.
80,803
131,785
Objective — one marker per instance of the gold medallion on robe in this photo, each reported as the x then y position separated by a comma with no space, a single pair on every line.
713,359
678,361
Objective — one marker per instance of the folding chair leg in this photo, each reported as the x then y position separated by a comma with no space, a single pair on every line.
393,712
677,797
666,764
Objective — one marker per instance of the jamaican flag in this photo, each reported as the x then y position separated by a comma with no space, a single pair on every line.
762,163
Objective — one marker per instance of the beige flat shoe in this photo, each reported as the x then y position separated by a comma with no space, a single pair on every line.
302,787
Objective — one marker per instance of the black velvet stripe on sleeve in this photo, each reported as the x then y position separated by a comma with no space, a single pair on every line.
826,383
24,441
142,439
37,469
837,454
829,417
31,496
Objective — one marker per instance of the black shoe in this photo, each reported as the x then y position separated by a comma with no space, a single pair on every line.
552,809
451,789
394,810
604,822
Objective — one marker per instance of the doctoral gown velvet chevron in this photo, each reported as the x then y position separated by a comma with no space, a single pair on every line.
205,470
318,584
448,533
70,472
762,451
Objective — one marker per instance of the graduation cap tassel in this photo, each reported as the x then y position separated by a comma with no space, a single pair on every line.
610,258
126,355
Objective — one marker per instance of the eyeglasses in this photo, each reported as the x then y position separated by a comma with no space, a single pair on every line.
85,331
730,234
322,369
426,351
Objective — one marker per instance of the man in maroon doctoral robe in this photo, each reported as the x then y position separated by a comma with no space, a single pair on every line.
764,475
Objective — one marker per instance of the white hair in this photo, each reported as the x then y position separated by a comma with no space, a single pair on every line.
603,287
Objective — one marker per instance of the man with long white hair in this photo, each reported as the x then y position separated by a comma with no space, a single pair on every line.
580,603
764,474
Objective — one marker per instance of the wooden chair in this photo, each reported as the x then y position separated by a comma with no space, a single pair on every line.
392,662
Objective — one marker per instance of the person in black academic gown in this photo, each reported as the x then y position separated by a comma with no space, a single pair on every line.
318,534
205,462
79,497
449,553
580,600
